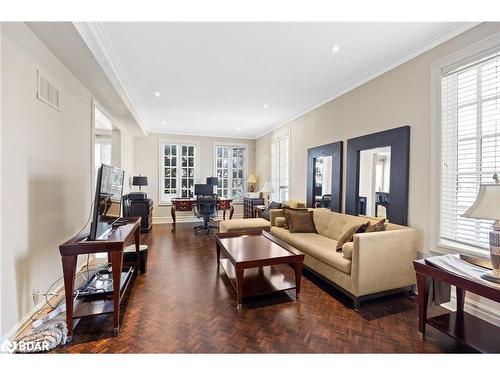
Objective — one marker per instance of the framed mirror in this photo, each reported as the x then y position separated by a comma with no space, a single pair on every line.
377,175
324,176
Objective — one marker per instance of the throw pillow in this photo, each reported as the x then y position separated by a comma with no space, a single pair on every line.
363,228
347,236
347,250
301,222
266,214
279,222
287,210
379,226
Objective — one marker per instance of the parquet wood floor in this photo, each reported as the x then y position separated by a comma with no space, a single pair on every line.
183,304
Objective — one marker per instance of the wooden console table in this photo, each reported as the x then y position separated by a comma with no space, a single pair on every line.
466,328
188,204
113,245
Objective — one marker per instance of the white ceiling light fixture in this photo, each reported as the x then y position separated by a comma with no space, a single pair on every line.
157,94
163,122
335,49
238,128
266,106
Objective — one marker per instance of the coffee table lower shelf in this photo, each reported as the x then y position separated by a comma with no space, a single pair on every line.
261,280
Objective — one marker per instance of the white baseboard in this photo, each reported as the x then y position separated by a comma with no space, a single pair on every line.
187,219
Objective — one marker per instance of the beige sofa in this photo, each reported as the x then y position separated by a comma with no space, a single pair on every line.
374,264
253,224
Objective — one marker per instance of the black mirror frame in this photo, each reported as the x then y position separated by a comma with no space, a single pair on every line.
336,151
399,140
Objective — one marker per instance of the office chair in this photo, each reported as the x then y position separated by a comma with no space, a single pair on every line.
206,209
326,201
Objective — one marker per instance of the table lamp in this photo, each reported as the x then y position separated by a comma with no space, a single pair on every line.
252,181
267,189
487,206
139,181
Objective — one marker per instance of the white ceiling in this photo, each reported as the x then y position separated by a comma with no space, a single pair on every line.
216,78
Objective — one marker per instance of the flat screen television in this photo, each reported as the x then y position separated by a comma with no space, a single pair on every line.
107,202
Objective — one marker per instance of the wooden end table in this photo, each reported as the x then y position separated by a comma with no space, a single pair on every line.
253,262
257,210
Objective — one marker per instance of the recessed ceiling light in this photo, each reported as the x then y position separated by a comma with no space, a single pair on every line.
335,48
238,128
157,94
163,122
266,106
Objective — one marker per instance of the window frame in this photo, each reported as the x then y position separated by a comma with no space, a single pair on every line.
475,52
163,199
277,138
245,166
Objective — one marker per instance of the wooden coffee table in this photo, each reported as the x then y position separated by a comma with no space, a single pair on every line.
256,263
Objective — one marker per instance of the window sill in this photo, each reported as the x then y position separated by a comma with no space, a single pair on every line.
449,247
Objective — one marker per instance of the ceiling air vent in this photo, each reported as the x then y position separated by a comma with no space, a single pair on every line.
47,92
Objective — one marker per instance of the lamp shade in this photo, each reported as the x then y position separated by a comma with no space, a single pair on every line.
140,181
487,204
267,188
252,179
212,181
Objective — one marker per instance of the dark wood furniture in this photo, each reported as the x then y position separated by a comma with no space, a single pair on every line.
114,246
334,150
253,263
188,204
466,328
399,141
257,210
144,209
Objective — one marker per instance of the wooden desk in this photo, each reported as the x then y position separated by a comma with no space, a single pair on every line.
188,204
113,245
466,328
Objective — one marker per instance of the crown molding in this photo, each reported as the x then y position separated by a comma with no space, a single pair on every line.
394,61
94,35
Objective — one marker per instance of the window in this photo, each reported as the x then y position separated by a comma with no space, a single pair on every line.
280,167
177,171
470,141
230,170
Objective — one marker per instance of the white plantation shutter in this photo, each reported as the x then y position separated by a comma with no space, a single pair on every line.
280,159
470,145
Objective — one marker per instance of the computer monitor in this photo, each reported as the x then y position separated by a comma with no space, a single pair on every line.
203,189
107,202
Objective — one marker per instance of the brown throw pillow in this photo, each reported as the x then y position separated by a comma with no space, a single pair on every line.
287,210
347,236
363,228
301,222
379,226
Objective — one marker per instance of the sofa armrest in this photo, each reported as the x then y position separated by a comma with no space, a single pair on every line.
383,261
274,214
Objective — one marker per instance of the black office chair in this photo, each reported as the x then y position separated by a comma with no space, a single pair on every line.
326,201
206,209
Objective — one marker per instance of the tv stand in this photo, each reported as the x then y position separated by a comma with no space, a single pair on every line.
113,245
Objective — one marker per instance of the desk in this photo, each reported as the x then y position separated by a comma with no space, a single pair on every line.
466,328
188,204
113,245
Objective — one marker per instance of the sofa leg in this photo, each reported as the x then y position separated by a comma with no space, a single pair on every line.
355,302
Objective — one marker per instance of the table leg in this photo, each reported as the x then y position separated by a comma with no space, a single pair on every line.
217,247
239,287
116,265
460,299
298,278
422,299
172,212
231,212
137,238
224,214
69,269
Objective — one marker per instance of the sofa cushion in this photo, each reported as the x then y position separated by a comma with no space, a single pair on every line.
316,246
333,224
279,221
243,225
347,250
348,235
293,204
379,226
287,210
301,222
267,212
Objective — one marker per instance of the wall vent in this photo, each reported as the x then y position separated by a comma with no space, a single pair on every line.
47,92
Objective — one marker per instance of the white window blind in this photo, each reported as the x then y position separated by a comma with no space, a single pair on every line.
470,141
280,159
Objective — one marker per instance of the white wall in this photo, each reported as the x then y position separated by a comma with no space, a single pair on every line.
46,170
146,163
